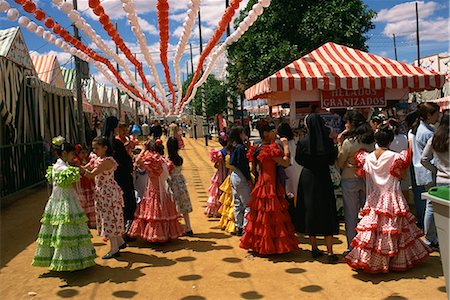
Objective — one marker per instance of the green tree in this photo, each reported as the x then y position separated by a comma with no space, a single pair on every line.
289,29
215,96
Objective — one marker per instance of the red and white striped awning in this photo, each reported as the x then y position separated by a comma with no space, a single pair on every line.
334,66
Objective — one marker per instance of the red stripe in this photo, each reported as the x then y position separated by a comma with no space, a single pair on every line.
302,77
290,78
349,80
325,78
330,66
310,72
383,78
374,68
279,82
330,54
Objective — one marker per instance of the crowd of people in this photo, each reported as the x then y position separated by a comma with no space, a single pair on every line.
266,194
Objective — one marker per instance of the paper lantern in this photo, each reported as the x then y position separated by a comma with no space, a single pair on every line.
58,42
12,14
57,2
39,31
66,7
265,3
98,10
108,27
103,19
57,29
29,6
258,9
20,1
39,14
46,35
49,23
94,3
234,4
52,39
4,6
23,21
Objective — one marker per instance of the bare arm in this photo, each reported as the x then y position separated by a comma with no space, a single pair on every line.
104,166
427,156
284,161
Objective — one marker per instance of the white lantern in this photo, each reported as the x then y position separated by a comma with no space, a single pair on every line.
258,9
4,6
58,42
47,35
52,39
74,16
12,14
23,21
31,26
264,3
57,2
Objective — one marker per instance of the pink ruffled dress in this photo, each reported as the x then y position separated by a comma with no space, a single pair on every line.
388,238
156,217
269,229
213,204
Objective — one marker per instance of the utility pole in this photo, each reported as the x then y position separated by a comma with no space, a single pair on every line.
137,104
119,109
417,34
204,116
230,110
192,60
395,47
80,119
194,116
187,70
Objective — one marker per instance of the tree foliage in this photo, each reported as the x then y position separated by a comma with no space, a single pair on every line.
215,96
289,29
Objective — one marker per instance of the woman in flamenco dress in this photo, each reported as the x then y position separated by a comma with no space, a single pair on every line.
218,158
387,237
156,217
227,221
269,229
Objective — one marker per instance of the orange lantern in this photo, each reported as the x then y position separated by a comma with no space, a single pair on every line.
49,23
20,1
94,3
98,10
39,14
29,6
57,29
103,19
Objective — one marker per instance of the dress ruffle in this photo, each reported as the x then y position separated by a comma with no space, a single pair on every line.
215,156
227,221
360,159
86,191
153,163
387,238
272,150
213,204
401,163
269,229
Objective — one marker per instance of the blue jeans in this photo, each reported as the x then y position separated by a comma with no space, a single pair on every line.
429,225
354,192
419,203
241,196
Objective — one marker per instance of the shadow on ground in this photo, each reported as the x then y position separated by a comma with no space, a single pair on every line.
182,244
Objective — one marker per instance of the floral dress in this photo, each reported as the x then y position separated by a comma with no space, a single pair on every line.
387,238
213,204
64,240
108,202
180,194
156,217
269,229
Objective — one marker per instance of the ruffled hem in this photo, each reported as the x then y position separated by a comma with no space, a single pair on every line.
372,262
150,209
269,151
64,265
49,240
215,156
60,219
156,231
266,246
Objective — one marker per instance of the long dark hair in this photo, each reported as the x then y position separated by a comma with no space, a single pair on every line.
384,135
360,129
425,110
235,137
412,120
284,130
440,138
67,147
172,150
103,141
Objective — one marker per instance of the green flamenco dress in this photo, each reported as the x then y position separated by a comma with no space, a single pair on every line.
64,240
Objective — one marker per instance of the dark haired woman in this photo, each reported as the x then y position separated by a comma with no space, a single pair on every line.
437,150
359,136
177,183
316,206
387,239
108,196
156,218
269,229
64,240
240,177
422,132
123,174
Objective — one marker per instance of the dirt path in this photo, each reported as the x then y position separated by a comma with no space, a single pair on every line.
209,265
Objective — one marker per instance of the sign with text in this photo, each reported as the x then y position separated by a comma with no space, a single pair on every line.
353,98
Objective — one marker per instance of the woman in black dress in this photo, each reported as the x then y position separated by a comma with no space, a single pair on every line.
315,213
123,173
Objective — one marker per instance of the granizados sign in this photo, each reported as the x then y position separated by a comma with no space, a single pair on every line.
353,98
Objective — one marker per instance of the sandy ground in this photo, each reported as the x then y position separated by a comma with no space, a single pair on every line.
209,265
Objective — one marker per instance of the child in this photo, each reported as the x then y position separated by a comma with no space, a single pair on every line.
177,184
227,221
108,196
218,158
156,217
64,240
86,186
387,237
269,229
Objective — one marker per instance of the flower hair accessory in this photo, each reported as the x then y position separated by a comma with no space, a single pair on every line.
223,136
58,141
158,142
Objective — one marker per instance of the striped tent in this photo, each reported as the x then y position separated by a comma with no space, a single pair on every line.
91,91
102,95
48,70
332,66
70,80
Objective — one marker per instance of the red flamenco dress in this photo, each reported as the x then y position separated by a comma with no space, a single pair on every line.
156,217
388,238
269,229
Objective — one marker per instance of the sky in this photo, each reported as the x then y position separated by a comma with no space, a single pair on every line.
393,17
